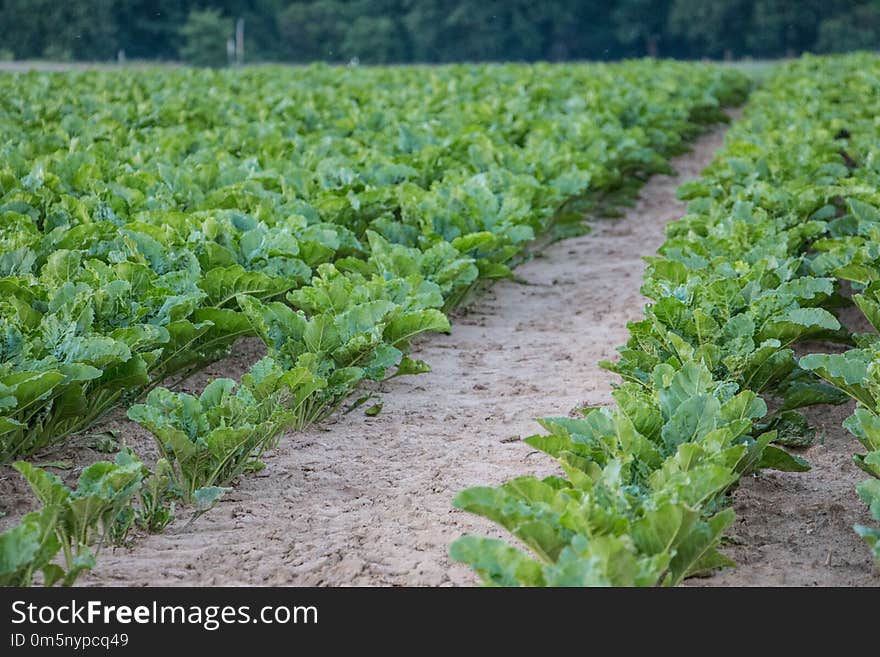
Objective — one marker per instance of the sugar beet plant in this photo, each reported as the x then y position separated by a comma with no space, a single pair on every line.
857,372
71,522
639,505
788,210
209,440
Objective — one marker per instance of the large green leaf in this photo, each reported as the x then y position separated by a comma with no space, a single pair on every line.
847,371
223,284
28,547
497,563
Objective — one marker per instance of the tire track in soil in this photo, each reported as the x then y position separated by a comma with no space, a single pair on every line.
367,501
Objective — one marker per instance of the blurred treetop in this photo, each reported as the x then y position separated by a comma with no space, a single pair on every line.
388,31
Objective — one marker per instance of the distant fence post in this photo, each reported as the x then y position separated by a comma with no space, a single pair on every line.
239,41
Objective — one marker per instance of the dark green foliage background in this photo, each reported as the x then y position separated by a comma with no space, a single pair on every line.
397,31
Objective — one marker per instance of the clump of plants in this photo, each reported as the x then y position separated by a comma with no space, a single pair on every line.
206,442
72,521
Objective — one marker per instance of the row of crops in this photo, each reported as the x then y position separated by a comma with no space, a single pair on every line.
782,232
149,219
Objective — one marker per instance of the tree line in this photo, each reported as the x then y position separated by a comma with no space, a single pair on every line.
399,31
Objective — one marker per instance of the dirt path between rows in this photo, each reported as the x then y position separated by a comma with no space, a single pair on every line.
367,501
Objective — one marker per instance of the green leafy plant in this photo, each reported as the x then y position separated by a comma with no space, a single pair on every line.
29,547
72,521
157,497
857,373
641,501
348,329
208,441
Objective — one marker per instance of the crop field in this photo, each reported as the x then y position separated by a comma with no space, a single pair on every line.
288,326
